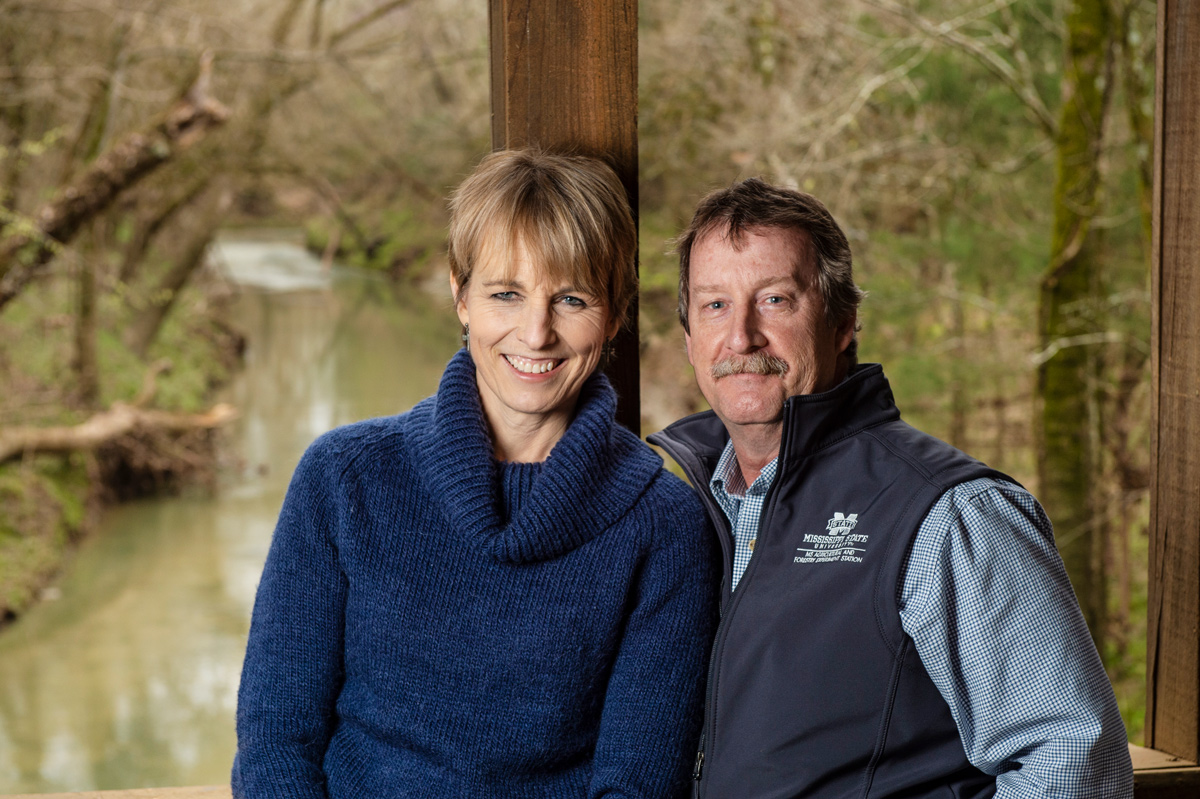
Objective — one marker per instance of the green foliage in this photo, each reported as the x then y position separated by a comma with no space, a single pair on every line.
42,507
399,238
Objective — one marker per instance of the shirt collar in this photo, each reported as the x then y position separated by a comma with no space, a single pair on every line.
727,480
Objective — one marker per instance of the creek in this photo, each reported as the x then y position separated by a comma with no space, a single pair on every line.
126,674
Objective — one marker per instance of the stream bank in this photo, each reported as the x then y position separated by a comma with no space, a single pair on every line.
126,675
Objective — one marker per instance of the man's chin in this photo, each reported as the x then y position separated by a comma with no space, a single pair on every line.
750,414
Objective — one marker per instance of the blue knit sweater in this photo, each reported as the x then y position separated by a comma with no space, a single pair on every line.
431,623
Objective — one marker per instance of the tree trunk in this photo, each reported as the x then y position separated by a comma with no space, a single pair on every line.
87,367
104,427
1069,302
146,325
146,229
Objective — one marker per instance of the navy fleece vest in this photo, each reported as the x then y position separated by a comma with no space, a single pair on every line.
814,688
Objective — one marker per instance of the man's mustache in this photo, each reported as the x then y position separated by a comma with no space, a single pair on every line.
756,363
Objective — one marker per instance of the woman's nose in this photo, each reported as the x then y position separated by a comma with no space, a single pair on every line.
537,326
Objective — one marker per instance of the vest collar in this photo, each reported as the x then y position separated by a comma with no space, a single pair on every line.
813,421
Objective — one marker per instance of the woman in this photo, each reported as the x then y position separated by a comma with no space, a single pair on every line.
500,593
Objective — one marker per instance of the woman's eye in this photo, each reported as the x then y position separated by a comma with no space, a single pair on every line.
504,295
573,302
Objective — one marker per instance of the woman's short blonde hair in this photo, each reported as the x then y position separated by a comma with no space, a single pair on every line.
568,212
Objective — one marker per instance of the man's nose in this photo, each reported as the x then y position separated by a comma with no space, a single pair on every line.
537,326
745,332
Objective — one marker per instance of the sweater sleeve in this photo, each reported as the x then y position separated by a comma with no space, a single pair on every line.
293,669
654,703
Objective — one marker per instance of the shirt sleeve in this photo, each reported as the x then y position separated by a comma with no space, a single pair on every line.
988,604
293,669
653,705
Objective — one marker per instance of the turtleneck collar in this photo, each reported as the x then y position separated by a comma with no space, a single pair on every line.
593,475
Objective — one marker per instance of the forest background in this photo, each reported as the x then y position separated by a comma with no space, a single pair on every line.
990,161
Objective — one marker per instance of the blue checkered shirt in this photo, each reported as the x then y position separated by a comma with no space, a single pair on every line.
742,505
987,602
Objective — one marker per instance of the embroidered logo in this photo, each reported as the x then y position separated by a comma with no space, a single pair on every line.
839,543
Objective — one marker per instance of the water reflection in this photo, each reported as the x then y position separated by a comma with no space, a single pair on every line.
130,678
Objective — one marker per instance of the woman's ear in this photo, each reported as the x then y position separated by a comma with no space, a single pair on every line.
614,327
460,303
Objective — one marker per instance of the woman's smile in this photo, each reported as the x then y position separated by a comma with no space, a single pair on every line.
533,366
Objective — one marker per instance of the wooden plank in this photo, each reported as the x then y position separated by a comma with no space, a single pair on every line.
1157,775
564,76
206,792
1173,634
1172,783
1153,760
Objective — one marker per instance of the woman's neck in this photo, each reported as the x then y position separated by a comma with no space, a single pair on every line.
524,438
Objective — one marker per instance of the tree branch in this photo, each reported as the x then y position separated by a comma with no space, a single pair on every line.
947,32
27,251
364,21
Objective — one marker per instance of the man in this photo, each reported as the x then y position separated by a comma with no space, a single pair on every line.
896,620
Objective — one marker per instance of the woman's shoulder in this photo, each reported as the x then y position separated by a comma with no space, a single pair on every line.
672,504
367,440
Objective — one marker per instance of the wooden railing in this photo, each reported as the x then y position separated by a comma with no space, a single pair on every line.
206,792
1155,776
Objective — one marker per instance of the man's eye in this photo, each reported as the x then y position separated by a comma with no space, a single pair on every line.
775,300
716,305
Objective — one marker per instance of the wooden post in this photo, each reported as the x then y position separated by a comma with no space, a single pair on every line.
564,76
1173,630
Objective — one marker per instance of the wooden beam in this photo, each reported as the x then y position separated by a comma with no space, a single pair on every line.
1173,630
564,76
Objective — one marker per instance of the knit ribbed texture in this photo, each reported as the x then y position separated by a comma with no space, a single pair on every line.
431,623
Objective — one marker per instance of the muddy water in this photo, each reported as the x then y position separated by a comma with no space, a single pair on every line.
126,675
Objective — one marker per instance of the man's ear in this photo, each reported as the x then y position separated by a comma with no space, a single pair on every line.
460,304
845,332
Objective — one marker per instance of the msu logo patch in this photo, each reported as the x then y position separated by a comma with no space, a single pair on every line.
838,543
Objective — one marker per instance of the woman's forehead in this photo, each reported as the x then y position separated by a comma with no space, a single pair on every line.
510,256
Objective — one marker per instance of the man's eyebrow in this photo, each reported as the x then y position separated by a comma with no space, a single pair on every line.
791,282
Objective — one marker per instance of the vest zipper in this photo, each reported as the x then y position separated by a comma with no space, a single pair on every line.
725,534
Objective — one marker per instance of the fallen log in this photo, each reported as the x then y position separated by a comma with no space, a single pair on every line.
119,420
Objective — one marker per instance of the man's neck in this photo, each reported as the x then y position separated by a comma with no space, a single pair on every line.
755,447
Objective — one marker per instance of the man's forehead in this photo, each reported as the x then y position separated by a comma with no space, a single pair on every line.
738,237
710,276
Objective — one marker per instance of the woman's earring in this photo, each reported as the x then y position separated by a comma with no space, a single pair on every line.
466,337
607,353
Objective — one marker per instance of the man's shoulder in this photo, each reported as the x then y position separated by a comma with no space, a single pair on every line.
702,431
935,460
